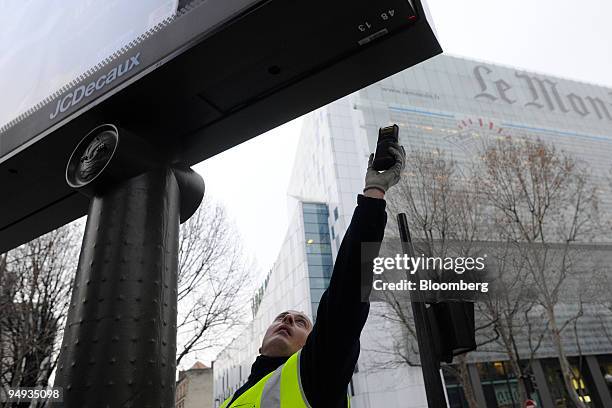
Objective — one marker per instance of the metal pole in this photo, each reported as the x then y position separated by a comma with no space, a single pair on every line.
429,361
119,345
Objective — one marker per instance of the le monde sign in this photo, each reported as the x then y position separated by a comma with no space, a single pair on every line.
544,94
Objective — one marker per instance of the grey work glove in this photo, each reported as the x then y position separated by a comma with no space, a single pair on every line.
388,178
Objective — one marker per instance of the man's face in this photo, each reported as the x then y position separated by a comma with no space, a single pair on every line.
286,335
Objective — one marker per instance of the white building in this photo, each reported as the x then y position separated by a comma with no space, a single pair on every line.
446,103
194,388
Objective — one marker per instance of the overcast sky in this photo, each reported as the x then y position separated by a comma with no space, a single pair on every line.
552,37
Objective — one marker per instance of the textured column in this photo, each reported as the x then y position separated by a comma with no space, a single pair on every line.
119,345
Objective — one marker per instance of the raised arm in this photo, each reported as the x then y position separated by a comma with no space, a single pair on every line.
328,359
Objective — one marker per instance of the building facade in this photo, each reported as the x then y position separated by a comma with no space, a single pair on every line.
446,104
287,286
194,388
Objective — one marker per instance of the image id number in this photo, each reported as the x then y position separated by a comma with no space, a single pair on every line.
33,394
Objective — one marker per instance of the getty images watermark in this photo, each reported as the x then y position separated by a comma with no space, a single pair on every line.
457,265
386,272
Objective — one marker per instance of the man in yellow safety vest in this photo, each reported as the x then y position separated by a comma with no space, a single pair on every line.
304,365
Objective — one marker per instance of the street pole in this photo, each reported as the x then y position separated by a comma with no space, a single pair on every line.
119,345
430,363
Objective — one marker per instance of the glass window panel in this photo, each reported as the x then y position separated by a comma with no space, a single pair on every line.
318,248
319,271
315,294
315,208
315,228
318,218
317,238
319,259
319,283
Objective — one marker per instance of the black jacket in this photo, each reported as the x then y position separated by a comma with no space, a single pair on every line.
328,358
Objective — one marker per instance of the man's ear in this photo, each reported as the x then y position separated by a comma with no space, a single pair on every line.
259,351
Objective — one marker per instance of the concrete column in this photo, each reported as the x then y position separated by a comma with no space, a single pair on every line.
600,382
477,385
542,385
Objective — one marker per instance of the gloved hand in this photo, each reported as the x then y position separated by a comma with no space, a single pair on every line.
384,180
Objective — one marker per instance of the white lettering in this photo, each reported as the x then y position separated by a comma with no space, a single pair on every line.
416,262
378,269
75,97
78,95
54,114
100,82
110,77
66,99
90,88
134,61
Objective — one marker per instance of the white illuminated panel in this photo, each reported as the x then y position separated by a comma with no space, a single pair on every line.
45,46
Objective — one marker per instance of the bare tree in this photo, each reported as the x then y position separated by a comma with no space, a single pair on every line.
441,203
36,279
213,281
513,314
544,204
532,203
35,282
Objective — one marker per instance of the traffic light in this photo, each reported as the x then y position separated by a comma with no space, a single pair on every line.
453,328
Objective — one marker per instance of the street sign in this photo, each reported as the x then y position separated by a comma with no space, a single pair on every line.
530,404
195,83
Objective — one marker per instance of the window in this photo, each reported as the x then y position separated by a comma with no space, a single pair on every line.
318,250
318,282
312,208
320,271
315,218
314,248
319,260
317,238
316,228
315,295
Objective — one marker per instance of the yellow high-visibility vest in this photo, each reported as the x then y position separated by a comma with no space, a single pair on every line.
282,388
